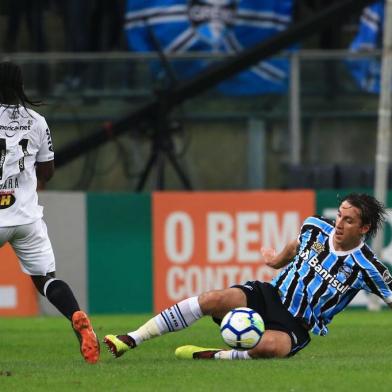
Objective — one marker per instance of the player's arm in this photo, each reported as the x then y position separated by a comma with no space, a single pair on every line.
377,279
44,172
283,258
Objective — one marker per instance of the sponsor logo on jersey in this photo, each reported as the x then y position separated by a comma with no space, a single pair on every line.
6,200
386,277
345,270
318,247
330,279
13,127
304,254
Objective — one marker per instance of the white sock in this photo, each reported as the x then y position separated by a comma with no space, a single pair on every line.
175,318
232,354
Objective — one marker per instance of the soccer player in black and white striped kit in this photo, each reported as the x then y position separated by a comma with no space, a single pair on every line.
322,271
26,155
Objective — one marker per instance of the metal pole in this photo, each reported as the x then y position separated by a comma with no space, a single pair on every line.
384,122
295,110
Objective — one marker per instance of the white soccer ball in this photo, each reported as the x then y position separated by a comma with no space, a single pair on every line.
242,328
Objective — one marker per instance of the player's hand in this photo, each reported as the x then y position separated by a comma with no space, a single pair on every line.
267,255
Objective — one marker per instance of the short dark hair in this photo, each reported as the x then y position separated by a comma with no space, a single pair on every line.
11,85
373,212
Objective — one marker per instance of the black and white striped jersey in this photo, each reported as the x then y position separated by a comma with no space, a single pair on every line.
320,281
24,140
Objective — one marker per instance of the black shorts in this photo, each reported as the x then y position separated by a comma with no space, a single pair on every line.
264,299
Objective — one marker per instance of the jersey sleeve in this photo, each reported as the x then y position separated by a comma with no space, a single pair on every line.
316,222
378,280
46,151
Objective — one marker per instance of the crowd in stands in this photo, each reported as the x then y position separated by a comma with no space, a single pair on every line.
62,26
58,25
95,25
98,26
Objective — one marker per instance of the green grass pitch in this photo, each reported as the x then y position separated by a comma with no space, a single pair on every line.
42,354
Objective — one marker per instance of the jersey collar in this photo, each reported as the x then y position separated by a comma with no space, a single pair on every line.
341,252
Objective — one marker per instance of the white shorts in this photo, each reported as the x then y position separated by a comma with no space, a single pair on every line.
32,246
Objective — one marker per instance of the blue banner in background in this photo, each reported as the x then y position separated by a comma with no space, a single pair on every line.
214,26
366,72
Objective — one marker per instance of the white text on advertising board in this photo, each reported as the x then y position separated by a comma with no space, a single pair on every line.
232,248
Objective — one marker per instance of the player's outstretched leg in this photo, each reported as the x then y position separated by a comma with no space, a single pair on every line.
273,344
89,344
175,318
195,352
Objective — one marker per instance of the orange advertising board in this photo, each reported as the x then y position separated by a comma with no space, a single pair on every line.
211,240
18,296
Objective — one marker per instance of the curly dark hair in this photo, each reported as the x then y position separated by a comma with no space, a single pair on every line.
11,86
373,212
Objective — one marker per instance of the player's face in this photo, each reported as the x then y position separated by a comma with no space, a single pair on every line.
349,229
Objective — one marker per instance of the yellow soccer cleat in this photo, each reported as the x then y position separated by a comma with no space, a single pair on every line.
119,344
195,352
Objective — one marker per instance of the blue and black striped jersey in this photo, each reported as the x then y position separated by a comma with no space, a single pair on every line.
320,281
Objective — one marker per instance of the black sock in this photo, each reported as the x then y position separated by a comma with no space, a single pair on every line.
61,296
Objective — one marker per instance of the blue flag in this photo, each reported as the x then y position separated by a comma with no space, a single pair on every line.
366,71
213,26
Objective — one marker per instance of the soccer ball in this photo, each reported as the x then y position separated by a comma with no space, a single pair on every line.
242,328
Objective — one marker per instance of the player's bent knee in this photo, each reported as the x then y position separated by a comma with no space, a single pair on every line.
267,349
273,344
210,301
218,302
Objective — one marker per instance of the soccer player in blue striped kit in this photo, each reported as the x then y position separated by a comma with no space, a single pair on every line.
322,271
